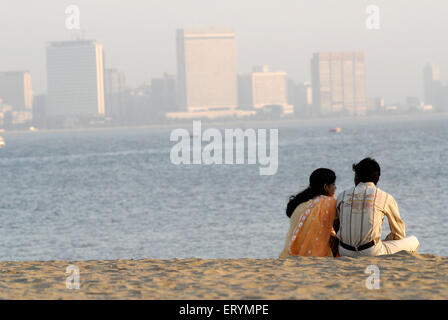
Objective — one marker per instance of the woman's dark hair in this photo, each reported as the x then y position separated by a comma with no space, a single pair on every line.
367,170
318,179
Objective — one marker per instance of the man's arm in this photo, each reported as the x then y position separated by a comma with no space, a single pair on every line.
338,203
336,223
396,224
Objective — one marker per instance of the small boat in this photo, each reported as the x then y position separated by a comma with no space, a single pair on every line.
2,142
336,130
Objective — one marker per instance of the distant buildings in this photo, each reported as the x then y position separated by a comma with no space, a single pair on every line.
264,89
115,90
150,102
414,104
75,78
81,91
5,115
39,111
339,84
245,91
137,105
16,90
16,99
441,98
431,82
163,94
206,62
11,118
300,96
376,105
435,93
269,89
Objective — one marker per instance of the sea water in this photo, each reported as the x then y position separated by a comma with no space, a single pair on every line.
114,193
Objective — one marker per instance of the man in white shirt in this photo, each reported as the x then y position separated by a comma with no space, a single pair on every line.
361,211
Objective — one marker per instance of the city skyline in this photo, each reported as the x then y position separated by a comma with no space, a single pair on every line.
81,81
282,35
238,72
78,77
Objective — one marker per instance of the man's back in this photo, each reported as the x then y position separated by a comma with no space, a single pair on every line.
361,211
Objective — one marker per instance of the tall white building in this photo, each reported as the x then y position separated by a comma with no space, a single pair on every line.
16,90
263,88
75,77
270,88
339,83
206,62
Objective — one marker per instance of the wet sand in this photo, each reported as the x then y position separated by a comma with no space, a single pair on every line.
402,276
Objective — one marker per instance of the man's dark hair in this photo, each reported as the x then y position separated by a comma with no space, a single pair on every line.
367,170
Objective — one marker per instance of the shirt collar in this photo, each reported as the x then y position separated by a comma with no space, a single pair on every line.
368,184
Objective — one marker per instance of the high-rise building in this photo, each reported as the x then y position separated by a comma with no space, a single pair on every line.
206,62
75,77
245,92
441,98
39,115
300,96
115,89
432,84
163,94
263,88
339,84
16,90
269,88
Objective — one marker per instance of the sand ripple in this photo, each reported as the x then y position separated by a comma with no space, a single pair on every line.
402,276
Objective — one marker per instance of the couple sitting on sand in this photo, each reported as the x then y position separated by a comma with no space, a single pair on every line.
349,226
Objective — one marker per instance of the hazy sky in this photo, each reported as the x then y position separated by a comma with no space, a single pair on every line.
139,35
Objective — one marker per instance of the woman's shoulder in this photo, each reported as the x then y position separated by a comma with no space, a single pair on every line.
301,208
310,204
325,200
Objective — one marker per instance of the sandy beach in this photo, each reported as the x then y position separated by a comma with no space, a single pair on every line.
402,276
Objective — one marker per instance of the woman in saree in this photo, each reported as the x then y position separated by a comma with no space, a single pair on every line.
312,213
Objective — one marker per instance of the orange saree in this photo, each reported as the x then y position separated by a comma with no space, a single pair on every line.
310,234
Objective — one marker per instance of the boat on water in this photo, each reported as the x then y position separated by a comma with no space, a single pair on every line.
336,130
2,142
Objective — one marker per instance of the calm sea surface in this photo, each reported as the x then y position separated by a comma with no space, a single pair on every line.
109,194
